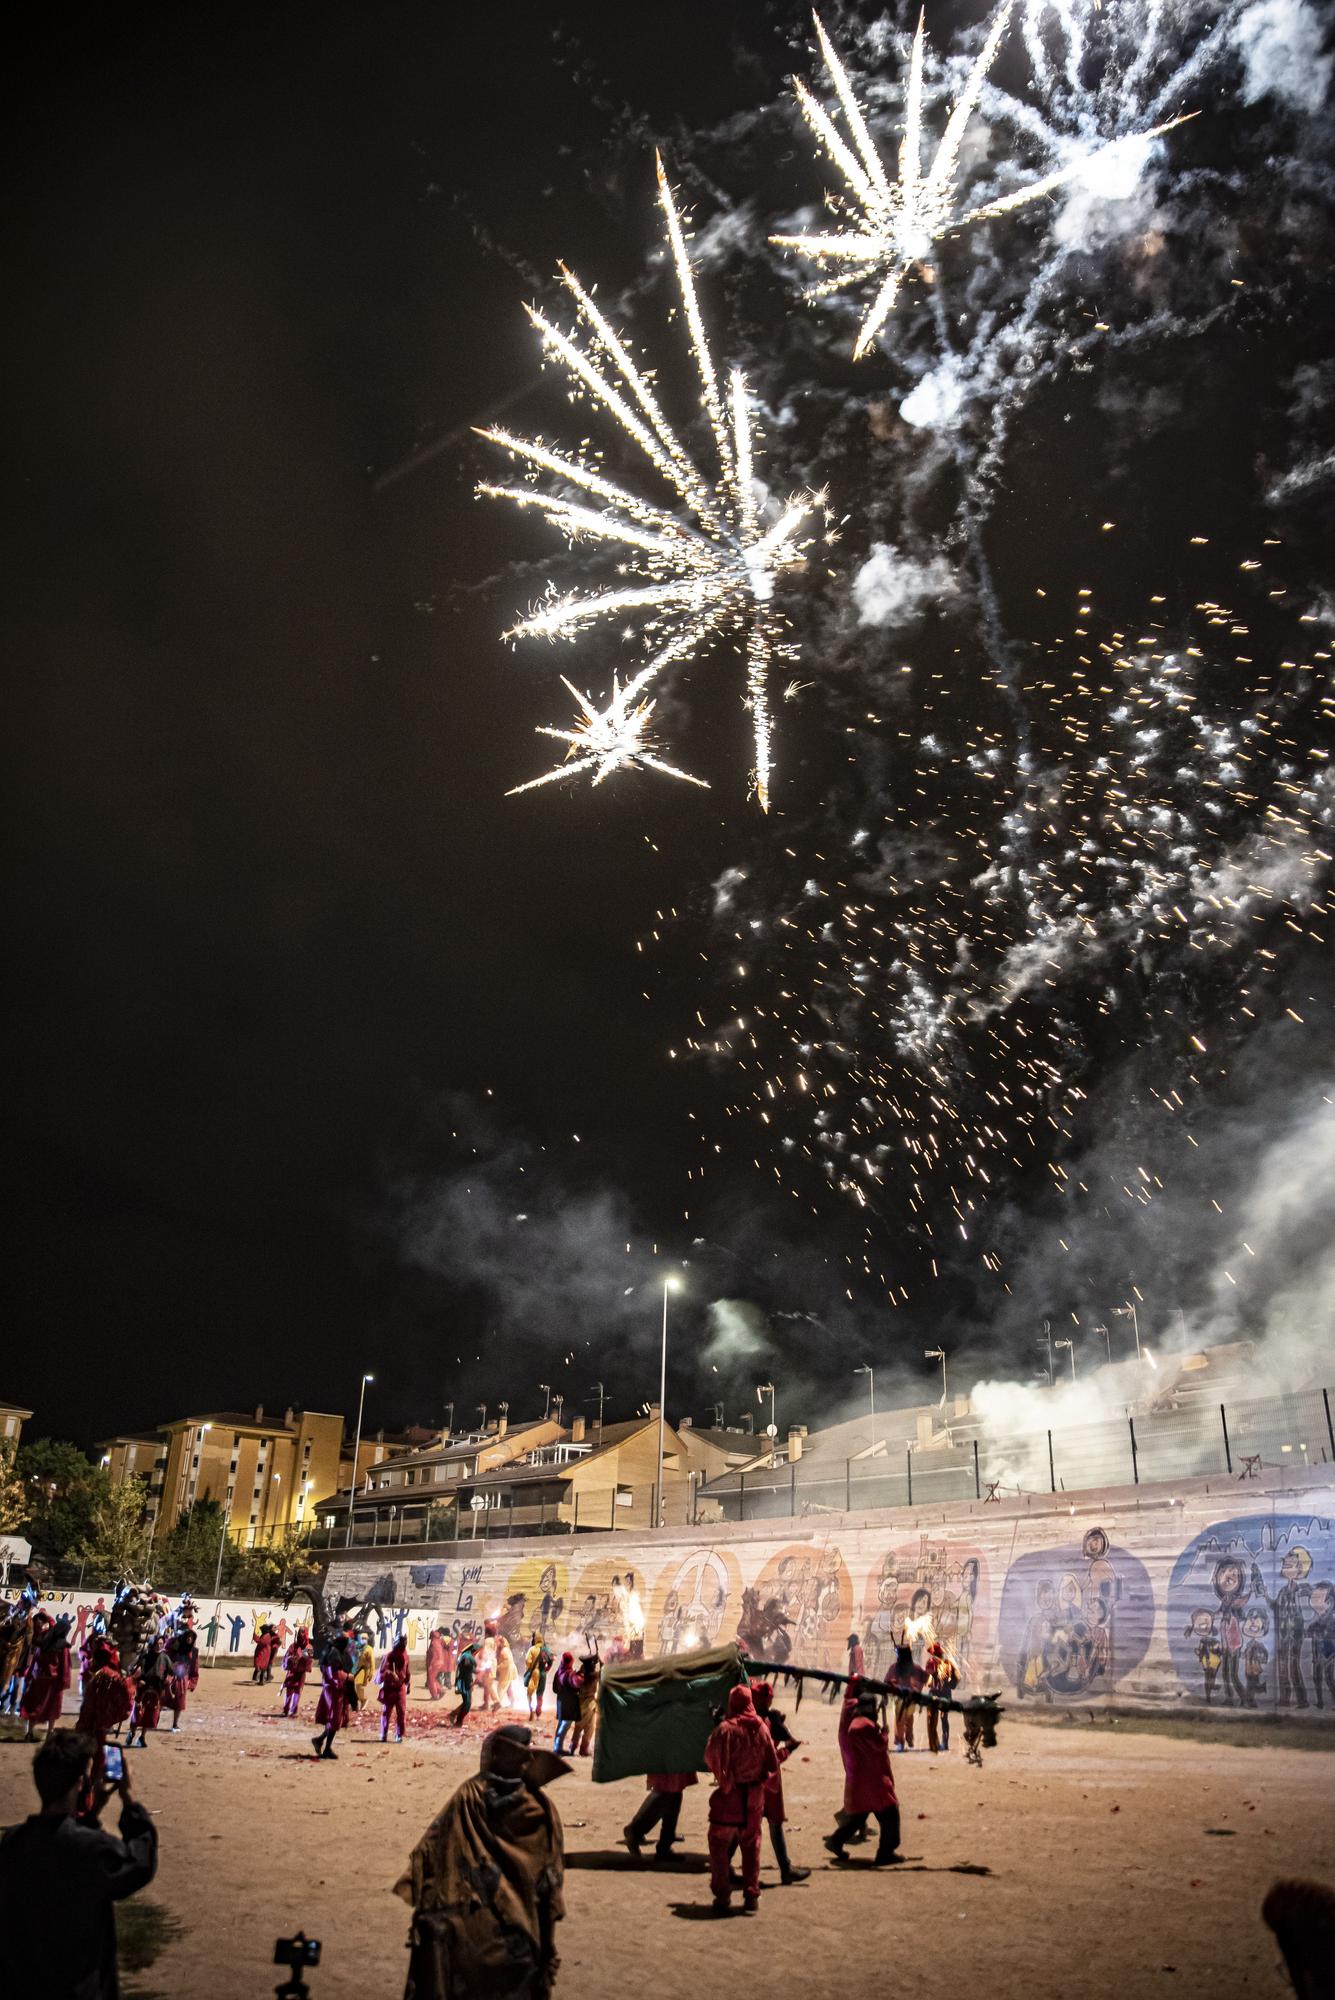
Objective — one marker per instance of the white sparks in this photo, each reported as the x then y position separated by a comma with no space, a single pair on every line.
606,740
888,227
705,563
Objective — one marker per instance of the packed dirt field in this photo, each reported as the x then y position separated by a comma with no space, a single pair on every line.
1082,1860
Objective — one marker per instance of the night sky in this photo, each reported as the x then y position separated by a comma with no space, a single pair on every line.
274,931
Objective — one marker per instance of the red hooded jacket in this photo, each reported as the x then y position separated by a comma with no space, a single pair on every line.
865,1748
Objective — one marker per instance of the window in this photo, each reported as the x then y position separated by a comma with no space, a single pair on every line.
256,1494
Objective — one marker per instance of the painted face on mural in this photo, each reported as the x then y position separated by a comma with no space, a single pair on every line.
1229,1580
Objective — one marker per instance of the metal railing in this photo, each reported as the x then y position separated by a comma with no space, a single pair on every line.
1242,1441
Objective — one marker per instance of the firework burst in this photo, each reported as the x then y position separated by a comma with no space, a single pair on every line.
609,739
705,564
889,226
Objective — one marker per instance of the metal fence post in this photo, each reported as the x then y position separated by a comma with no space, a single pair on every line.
741,1496
848,1485
1135,1455
1228,1455
908,1461
977,1483
792,1491
1052,1466
574,1524
1330,1428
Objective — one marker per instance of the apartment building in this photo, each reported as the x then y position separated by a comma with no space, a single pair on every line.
264,1474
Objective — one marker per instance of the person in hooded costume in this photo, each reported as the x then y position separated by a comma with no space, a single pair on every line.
741,1755
297,1663
762,1694
48,1678
338,1697
565,1682
869,1785
395,1679
107,1696
485,1881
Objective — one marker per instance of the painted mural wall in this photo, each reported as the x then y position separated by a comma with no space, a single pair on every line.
1225,1598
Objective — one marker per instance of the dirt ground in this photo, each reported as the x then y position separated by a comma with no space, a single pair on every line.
1084,1860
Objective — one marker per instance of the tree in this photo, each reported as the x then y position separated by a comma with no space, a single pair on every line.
119,1536
187,1557
13,1495
262,1569
62,1490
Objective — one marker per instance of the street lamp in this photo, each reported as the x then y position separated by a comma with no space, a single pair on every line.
558,1404
482,1412
1069,1345
865,1369
938,1354
449,1422
1047,1342
356,1454
772,1432
1107,1342
1128,1311
546,1389
669,1285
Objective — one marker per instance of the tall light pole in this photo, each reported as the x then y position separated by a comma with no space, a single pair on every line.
1107,1342
669,1285
1069,1345
449,1422
558,1404
1047,1343
767,1389
356,1454
938,1354
546,1389
598,1391
1128,1311
864,1368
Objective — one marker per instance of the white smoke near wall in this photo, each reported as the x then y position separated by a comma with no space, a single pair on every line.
892,589
1280,42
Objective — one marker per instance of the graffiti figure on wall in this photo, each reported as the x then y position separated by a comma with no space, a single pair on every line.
607,1607
1269,1634
691,1601
1075,1621
929,1595
798,1608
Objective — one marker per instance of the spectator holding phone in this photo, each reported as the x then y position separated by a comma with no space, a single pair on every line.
60,1875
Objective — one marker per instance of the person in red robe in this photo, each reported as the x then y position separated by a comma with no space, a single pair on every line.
942,1678
741,1755
395,1678
151,1672
784,1745
183,1672
336,1697
107,1699
48,1678
265,1641
869,1786
297,1663
661,1808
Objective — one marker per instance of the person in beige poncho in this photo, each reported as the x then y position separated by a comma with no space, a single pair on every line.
485,1881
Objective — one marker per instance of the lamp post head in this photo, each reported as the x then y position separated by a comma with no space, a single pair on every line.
934,1354
672,1284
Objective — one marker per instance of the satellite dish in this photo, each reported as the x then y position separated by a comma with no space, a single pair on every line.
771,1430
478,1503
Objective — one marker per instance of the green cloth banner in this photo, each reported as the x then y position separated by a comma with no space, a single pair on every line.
656,1715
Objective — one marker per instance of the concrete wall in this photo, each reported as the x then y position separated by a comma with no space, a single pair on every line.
1130,1594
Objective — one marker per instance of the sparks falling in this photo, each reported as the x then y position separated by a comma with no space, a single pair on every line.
890,226
695,570
605,740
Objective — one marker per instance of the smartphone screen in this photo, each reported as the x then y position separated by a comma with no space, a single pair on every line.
113,1763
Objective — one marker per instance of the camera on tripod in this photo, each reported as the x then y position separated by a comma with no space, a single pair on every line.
296,1953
